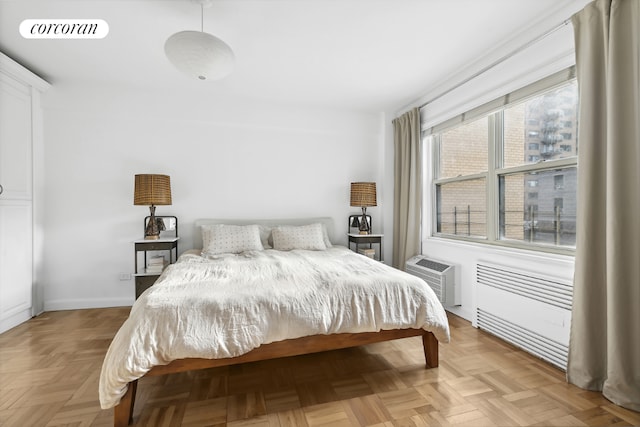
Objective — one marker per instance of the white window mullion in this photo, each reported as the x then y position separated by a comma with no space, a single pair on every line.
435,167
460,178
494,161
540,166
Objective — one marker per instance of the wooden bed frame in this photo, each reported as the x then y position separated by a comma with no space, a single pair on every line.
123,412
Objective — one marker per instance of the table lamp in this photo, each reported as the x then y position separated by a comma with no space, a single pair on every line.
363,195
151,190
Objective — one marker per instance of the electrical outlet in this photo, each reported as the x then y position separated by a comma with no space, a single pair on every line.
124,276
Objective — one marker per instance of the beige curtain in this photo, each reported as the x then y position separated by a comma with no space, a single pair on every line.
407,187
605,329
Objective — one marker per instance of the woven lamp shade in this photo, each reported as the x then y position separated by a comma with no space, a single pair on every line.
363,194
152,190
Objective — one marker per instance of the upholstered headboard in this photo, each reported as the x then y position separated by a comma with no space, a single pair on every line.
197,233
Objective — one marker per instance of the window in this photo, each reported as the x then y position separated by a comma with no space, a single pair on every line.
462,208
493,183
464,149
462,202
540,222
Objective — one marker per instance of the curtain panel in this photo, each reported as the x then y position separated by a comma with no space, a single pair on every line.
604,352
407,188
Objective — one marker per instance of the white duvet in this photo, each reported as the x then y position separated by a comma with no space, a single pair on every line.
226,307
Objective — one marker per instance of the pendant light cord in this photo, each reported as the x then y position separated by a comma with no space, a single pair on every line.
202,17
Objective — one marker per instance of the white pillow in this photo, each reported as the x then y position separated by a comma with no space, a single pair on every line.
267,237
325,236
230,239
310,237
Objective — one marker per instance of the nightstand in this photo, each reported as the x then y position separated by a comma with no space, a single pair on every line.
145,279
366,239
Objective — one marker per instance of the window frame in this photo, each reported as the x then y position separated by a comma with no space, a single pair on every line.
495,166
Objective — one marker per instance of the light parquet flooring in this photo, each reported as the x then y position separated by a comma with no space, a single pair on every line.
50,366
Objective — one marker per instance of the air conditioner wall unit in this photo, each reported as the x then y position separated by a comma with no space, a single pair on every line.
439,276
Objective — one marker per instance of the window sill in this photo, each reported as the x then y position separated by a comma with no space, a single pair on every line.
508,246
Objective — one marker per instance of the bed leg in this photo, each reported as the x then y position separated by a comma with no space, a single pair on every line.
123,412
430,345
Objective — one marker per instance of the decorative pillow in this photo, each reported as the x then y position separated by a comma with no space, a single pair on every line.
310,237
267,237
230,239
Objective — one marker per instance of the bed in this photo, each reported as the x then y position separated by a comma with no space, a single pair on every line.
259,290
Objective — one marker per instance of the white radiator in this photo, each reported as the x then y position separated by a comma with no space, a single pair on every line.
439,276
529,310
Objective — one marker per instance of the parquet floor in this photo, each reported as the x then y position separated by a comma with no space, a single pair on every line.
49,371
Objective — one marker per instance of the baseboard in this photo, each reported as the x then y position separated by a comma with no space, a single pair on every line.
465,314
14,320
78,304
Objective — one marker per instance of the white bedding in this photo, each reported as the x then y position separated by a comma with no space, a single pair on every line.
228,306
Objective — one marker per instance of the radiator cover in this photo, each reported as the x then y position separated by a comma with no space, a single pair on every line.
528,310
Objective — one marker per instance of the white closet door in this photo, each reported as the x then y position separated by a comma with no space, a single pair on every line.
16,204
16,262
15,140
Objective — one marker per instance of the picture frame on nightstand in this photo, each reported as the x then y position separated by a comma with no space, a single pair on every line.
354,223
167,224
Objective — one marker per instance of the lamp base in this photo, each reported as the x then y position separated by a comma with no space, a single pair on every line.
152,232
364,224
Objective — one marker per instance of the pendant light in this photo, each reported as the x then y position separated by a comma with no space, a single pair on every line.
199,54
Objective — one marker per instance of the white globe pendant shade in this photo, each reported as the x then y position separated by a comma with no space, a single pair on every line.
199,54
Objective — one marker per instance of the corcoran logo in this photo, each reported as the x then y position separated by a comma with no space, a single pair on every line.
64,29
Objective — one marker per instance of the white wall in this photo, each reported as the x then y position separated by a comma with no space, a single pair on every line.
226,160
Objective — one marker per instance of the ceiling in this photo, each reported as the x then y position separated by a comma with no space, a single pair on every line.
365,55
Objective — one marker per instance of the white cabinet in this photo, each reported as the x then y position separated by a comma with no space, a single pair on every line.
19,133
